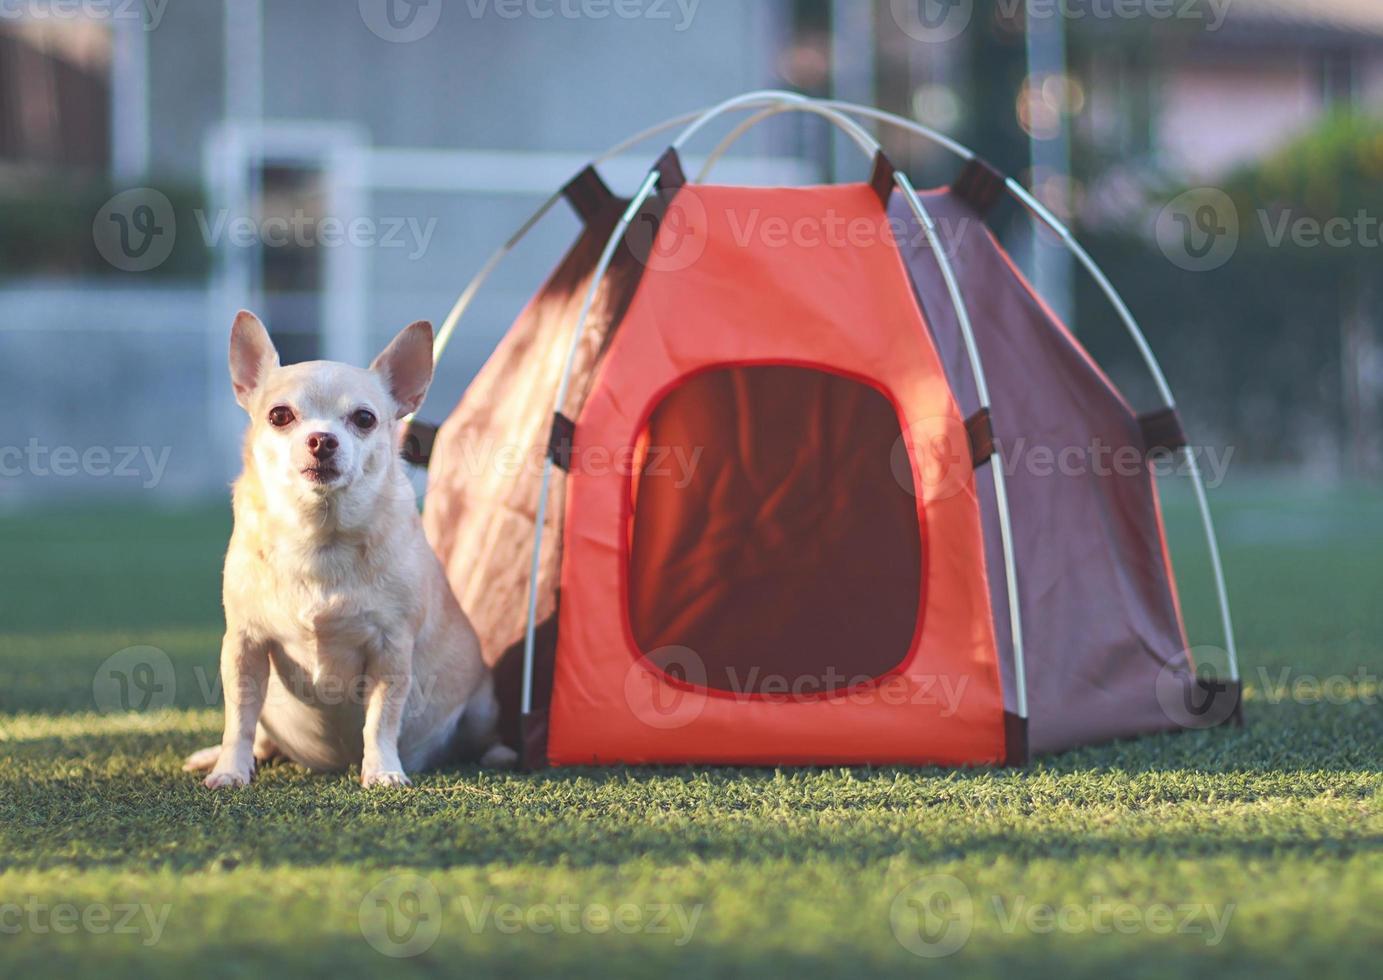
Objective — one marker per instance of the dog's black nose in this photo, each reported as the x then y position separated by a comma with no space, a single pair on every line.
322,445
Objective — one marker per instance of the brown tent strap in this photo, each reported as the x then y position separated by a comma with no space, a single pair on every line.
1162,430
587,194
671,177
1015,740
979,185
417,441
559,441
881,177
980,431
533,741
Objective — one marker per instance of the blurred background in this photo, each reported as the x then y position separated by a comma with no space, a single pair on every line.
345,167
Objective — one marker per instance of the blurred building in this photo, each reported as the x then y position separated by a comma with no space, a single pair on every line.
396,143
1223,98
345,166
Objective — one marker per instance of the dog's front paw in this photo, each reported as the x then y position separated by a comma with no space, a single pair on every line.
228,778
385,777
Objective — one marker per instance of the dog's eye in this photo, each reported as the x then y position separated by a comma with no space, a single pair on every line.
363,418
280,415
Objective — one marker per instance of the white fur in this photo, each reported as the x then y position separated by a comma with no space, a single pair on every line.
344,644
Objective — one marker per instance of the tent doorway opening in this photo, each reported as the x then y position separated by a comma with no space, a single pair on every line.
774,548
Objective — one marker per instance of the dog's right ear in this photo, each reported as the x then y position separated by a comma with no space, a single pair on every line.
252,356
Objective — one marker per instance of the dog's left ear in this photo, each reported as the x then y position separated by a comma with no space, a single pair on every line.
406,366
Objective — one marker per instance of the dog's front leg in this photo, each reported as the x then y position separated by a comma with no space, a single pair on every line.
244,679
388,678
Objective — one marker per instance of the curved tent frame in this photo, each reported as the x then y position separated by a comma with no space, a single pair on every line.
771,103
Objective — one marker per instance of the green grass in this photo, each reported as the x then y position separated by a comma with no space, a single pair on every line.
1274,831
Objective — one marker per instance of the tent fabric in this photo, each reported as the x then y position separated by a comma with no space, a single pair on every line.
770,542
484,479
748,299
1097,600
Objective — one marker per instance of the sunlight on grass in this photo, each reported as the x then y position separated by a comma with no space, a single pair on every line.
1230,852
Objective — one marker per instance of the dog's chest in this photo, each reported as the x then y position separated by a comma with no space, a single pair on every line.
328,632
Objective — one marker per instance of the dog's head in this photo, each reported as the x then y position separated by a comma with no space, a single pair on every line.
322,429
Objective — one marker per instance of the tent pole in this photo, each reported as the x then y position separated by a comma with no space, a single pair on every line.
996,468
1130,324
733,136
473,287
463,302
540,518
789,101
606,256
1164,389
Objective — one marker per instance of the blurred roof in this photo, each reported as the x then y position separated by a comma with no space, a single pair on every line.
1353,16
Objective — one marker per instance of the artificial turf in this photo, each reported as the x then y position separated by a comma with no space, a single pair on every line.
1228,852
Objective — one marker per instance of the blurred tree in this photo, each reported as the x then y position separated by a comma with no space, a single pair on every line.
1321,199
